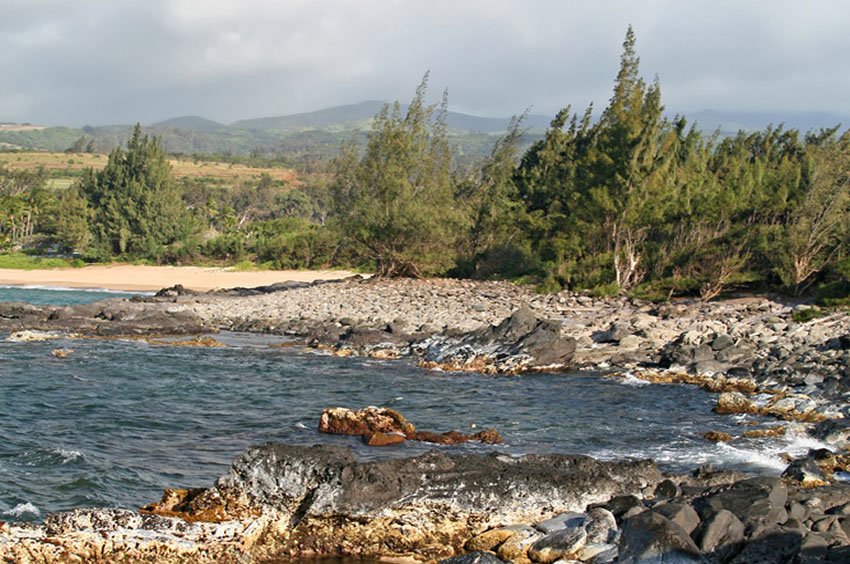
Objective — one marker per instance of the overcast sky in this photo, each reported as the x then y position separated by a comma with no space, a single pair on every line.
97,62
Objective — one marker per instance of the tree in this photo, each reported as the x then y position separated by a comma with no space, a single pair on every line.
817,225
136,206
395,203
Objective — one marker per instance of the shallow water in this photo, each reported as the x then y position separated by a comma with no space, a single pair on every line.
117,421
56,296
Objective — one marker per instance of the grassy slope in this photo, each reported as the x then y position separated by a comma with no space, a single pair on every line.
62,168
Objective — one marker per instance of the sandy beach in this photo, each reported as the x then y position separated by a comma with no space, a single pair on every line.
152,278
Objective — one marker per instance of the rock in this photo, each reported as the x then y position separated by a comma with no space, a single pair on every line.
520,342
569,520
619,505
601,526
597,553
650,537
630,342
667,489
488,436
343,421
515,548
834,432
680,513
755,501
720,535
733,403
722,342
616,332
717,437
492,539
320,500
806,471
478,557
383,439
773,545
564,543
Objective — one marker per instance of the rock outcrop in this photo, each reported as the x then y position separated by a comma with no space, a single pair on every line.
282,502
381,426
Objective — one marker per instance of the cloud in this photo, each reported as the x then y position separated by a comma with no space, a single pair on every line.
100,61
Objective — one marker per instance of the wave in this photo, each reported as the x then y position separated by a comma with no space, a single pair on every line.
23,509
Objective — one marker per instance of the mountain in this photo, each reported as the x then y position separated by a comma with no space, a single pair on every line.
731,122
359,116
317,136
191,123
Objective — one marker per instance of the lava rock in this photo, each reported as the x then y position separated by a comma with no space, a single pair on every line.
651,537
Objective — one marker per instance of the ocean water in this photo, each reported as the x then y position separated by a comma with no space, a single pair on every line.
116,421
56,296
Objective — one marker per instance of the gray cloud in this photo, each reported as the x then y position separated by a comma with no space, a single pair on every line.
108,61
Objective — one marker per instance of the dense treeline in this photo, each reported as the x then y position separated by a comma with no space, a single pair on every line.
626,200
629,202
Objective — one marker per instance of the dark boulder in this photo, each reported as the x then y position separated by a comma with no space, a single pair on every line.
651,537
721,535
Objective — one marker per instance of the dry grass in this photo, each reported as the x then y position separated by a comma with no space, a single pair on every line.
71,164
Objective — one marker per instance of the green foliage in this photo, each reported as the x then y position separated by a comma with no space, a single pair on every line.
395,204
21,261
136,206
807,314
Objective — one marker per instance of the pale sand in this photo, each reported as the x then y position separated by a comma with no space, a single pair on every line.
151,278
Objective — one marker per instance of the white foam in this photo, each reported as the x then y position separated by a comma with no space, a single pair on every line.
301,425
23,509
67,455
630,379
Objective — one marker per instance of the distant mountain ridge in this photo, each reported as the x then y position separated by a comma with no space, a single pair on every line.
317,135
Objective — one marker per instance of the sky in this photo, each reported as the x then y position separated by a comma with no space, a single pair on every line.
98,62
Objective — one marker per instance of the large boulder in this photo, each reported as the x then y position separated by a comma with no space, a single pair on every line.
650,537
519,343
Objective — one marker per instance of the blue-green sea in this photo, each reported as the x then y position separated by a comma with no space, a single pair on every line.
115,422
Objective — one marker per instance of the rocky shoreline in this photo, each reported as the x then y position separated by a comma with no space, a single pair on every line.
758,354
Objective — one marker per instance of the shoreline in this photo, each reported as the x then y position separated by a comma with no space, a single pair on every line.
752,352
144,278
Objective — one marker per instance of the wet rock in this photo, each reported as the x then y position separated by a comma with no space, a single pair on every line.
383,439
733,403
369,420
717,437
597,553
488,436
650,537
806,471
834,432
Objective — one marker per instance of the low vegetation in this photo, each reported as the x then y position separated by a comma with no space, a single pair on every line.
624,201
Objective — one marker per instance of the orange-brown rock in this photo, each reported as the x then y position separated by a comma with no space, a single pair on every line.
489,436
717,437
383,439
343,421
777,431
